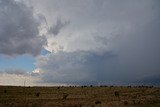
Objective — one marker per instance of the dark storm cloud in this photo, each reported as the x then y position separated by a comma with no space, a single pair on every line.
78,67
55,29
19,32
150,80
129,54
86,67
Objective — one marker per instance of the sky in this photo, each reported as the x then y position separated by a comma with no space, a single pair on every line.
79,42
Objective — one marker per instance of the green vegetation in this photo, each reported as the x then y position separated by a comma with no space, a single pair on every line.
91,96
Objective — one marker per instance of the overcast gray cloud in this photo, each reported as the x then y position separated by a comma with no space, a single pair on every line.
78,67
19,33
112,42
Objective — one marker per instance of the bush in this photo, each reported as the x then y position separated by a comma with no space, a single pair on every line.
125,102
134,102
98,102
116,93
37,94
139,102
65,95
129,86
5,91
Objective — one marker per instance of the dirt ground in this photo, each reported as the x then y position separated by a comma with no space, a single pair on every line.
82,96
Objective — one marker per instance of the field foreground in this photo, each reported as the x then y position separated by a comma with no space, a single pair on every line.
79,96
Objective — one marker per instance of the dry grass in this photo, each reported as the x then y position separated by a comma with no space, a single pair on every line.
79,96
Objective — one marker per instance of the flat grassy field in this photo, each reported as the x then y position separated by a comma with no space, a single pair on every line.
91,96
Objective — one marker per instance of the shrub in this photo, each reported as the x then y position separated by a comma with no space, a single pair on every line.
5,91
65,95
134,102
139,102
129,86
125,102
116,93
37,94
97,102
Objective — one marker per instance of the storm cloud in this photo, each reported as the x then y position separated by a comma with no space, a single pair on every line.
19,33
109,42
104,42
